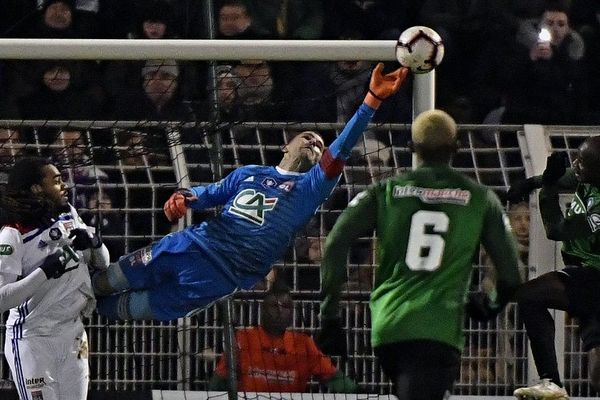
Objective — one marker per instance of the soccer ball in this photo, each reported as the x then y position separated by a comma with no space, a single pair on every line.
420,48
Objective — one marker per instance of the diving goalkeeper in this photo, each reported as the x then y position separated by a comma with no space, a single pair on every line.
263,209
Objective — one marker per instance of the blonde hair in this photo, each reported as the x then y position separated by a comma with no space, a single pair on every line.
433,129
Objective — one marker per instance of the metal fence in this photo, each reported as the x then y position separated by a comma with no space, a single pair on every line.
130,171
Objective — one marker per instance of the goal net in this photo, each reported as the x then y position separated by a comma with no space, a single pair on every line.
235,112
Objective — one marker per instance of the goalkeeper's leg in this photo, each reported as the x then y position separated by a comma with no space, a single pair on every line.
169,301
126,306
114,279
171,286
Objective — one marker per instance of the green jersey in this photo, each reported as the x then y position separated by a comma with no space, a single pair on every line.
580,229
429,225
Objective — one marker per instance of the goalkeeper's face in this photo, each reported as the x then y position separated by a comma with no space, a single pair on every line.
53,187
306,149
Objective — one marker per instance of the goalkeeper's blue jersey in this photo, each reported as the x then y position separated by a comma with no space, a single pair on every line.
264,207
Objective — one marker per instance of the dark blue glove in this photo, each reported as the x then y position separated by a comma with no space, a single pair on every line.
556,166
480,308
54,265
520,190
82,239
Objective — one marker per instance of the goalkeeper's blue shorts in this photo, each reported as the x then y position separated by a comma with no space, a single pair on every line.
180,277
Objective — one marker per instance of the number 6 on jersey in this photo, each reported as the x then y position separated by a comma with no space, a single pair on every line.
425,250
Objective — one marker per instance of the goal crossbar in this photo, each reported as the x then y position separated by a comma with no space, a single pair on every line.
185,49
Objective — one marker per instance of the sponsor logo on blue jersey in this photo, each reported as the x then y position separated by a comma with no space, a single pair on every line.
252,206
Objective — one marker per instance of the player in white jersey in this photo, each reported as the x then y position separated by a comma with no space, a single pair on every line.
45,253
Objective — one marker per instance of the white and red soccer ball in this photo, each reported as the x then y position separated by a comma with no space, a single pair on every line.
420,48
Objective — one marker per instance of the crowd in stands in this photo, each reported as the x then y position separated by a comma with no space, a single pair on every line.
496,68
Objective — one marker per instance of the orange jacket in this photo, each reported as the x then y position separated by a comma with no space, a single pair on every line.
277,364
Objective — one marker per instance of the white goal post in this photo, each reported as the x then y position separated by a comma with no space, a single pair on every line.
186,49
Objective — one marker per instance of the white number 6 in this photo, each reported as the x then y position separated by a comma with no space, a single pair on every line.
425,250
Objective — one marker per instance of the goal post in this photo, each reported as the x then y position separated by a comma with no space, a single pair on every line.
201,49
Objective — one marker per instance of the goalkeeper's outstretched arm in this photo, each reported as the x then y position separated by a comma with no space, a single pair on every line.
381,87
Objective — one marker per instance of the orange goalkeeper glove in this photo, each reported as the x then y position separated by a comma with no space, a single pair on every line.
383,86
176,206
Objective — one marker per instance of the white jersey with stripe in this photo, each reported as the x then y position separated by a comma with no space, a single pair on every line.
57,303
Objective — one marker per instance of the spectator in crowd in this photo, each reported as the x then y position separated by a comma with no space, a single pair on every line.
235,22
70,152
228,98
273,358
108,221
11,146
547,80
575,288
263,209
144,149
257,91
63,92
56,20
44,260
157,98
155,20
188,19
425,222
71,149
518,216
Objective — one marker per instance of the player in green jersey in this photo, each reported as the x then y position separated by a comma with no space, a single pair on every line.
429,225
574,289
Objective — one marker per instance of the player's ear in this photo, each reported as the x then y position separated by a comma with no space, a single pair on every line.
284,148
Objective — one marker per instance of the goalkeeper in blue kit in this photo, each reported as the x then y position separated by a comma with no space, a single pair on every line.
263,209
